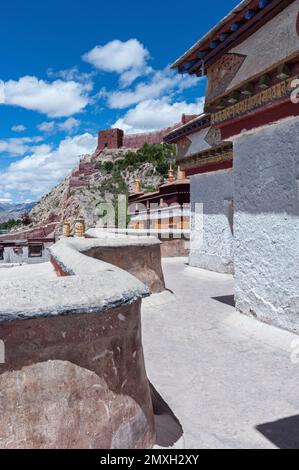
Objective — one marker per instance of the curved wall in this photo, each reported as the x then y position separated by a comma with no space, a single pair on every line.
140,256
74,374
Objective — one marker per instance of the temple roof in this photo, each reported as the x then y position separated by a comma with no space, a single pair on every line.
240,23
199,122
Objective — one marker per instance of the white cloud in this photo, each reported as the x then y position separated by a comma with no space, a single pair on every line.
69,125
56,99
5,200
18,128
2,98
47,126
18,146
117,56
40,171
72,74
128,59
41,149
151,115
163,81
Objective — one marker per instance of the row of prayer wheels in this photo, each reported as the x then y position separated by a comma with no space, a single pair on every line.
79,229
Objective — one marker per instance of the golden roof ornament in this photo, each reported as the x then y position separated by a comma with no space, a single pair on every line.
171,177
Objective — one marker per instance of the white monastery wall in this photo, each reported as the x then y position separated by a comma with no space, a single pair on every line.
198,142
194,143
10,256
211,244
266,223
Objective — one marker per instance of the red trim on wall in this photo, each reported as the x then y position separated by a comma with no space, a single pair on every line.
260,118
211,167
58,269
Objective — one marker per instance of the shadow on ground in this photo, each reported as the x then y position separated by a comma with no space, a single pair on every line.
226,299
168,427
283,433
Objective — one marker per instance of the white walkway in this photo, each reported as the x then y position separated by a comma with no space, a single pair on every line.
221,373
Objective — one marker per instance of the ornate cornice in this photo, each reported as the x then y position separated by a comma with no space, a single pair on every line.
218,154
245,104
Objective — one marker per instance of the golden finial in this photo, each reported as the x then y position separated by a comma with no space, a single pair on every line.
170,177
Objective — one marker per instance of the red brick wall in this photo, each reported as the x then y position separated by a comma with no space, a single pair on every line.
115,138
111,139
138,140
38,232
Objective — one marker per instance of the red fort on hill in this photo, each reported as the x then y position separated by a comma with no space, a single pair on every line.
116,138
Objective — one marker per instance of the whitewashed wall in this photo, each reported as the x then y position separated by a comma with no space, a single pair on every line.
211,245
11,257
266,223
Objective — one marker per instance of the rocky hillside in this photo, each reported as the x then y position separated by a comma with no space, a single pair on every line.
100,178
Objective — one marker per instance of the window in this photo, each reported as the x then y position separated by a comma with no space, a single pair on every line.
35,251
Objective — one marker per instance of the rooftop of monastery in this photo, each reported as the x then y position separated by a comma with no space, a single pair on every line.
240,23
82,290
194,125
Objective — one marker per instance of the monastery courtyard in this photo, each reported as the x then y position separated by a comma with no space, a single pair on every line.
221,373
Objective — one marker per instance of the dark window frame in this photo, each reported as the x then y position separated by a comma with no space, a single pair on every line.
35,255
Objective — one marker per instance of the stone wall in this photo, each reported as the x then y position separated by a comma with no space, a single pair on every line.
173,243
115,138
110,138
138,140
140,256
74,374
266,173
175,247
78,382
32,233
11,255
211,244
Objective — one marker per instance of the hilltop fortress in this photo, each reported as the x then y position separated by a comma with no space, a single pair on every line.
80,192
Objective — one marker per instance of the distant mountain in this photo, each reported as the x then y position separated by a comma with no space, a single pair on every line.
14,211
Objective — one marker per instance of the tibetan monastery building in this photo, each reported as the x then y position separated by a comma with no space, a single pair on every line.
164,213
251,60
208,160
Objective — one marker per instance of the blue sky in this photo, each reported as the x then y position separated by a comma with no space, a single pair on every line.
70,68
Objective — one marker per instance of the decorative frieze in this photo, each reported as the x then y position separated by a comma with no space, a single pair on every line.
263,98
217,155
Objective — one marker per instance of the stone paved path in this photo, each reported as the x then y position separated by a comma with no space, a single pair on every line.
222,373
